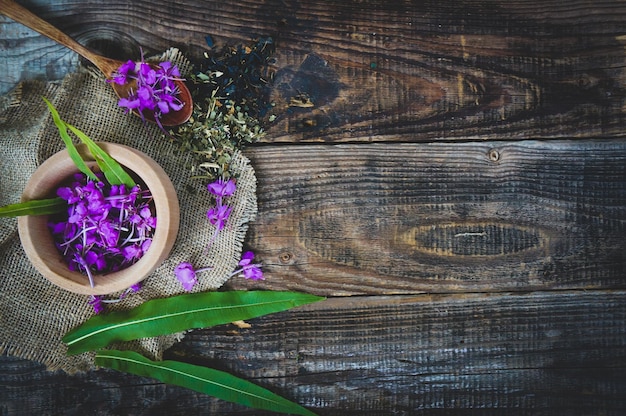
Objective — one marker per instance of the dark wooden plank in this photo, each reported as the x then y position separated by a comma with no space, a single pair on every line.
356,219
505,354
450,218
378,71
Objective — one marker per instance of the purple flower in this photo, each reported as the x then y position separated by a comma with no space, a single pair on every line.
253,273
57,227
169,71
130,103
248,269
96,303
134,252
218,216
96,260
246,258
186,275
156,90
122,73
106,227
78,213
68,194
147,74
143,220
145,245
222,188
109,234
220,213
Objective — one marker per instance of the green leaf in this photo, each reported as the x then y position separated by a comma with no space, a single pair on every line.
179,313
71,149
205,380
113,171
36,207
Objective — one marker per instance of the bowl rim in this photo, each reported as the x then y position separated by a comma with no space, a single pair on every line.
39,246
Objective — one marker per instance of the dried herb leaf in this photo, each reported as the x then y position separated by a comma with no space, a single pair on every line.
205,380
231,95
179,313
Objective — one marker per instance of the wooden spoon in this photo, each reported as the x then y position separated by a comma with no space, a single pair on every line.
106,65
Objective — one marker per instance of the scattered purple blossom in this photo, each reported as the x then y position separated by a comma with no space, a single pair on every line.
187,275
221,188
249,270
106,228
155,92
96,302
218,215
246,258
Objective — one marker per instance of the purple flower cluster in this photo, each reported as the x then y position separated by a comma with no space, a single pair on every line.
187,275
107,227
250,270
156,91
218,215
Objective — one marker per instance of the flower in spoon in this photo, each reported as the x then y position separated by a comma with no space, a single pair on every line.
153,92
106,65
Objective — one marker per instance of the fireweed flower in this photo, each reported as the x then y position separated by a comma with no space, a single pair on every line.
249,270
121,76
187,275
107,228
96,302
218,215
222,189
155,92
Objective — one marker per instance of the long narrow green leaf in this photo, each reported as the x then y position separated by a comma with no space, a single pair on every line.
113,171
179,313
205,380
36,207
71,148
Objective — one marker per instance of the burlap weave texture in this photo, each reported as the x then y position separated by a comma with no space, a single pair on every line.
34,314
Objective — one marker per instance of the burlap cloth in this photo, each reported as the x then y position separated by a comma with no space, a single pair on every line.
34,314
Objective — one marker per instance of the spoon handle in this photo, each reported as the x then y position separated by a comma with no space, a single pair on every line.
21,15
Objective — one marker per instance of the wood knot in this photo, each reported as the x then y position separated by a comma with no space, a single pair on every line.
493,155
286,257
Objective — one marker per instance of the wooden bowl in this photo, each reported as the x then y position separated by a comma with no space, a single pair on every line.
38,243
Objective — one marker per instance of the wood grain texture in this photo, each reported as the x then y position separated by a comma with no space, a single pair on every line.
380,71
458,187
414,355
413,218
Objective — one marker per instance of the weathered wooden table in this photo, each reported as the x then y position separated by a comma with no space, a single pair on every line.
457,190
